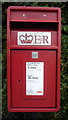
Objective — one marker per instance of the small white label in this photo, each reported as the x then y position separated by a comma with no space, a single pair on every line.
34,38
34,78
35,55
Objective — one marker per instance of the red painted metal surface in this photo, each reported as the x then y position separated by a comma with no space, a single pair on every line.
18,66
35,19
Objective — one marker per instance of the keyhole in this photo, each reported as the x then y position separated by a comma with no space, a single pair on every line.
19,81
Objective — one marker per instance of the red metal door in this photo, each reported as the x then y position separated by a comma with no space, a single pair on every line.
18,79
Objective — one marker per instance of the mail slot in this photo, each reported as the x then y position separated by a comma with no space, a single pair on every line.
33,59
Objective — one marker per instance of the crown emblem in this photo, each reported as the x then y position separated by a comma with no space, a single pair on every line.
26,38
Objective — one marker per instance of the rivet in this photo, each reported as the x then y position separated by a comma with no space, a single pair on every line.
23,15
44,15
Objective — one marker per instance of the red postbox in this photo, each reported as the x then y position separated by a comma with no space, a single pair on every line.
33,59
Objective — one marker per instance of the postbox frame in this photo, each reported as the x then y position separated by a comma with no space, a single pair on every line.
11,47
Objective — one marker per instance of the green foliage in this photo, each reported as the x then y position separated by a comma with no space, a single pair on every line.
63,113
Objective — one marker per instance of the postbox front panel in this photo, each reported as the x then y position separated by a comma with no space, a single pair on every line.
33,59
33,78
